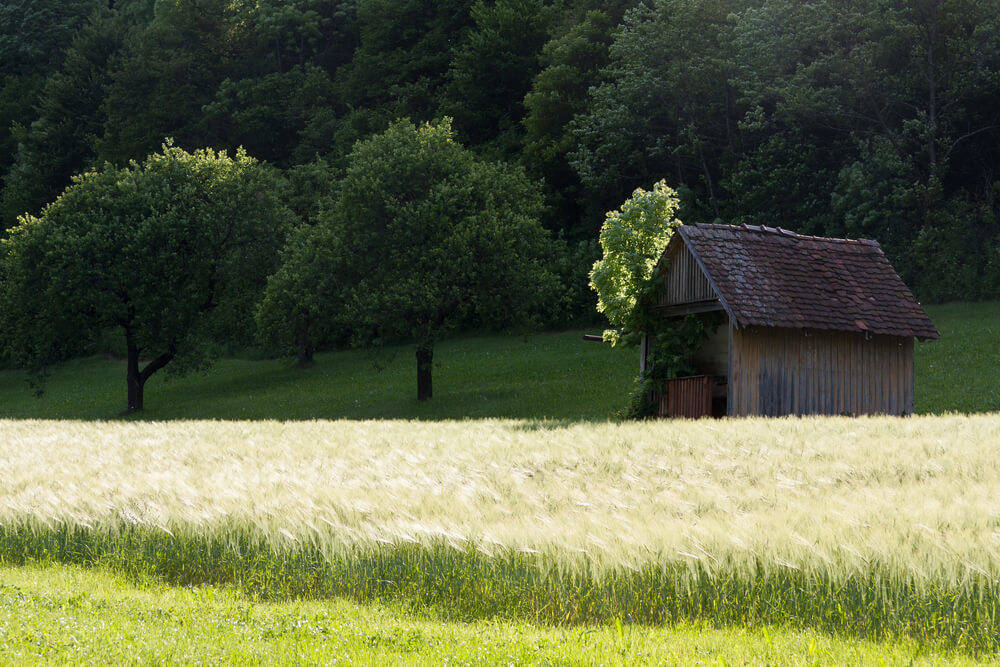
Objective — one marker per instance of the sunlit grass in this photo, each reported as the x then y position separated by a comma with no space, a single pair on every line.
67,615
961,371
874,527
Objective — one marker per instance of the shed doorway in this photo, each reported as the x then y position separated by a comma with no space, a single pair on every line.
705,392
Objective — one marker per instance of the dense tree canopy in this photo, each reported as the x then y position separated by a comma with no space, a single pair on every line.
857,118
169,253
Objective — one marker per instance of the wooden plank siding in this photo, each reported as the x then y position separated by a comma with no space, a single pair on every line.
689,397
779,371
684,281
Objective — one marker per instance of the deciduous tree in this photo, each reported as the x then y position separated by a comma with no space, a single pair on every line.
169,252
422,240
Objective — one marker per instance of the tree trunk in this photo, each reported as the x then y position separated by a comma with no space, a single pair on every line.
304,351
134,378
425,359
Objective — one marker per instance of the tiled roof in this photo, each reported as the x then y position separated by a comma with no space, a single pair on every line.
776,278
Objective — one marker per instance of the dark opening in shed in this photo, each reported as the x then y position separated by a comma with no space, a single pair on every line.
812,325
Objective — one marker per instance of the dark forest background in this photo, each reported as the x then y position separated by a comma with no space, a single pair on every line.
874,119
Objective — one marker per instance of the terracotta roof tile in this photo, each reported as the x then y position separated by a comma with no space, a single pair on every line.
772,277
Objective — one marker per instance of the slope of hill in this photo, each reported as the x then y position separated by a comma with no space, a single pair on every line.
552,375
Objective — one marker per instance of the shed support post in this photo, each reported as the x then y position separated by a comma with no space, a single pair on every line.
730,380
643,356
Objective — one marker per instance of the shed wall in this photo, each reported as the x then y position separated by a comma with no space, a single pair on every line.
684,282
777,371
712,358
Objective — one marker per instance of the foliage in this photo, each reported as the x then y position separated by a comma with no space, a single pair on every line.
663,105
303,305
873,119
61,141
400,66
756,523
171,251
33,33
492,70
671,345
421,240
271,116
632,240
163,84
570,64
310,188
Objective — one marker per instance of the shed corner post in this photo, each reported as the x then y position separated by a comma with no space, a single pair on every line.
643,355
730,384
911,349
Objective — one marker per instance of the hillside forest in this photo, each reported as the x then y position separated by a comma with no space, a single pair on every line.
859,118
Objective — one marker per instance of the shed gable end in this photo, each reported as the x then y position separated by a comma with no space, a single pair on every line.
683,280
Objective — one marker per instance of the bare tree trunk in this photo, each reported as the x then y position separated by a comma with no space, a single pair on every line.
304,351
134,379
425,362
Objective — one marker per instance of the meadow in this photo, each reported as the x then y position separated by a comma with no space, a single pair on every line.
543,376
511,498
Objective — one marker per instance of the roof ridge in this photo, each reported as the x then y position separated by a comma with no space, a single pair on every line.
780,231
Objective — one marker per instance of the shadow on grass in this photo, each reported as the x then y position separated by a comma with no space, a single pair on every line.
552,376
464,584
549,379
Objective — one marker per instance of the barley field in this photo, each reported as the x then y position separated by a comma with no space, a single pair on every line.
875,527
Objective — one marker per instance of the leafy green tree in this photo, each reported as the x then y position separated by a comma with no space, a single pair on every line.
34,35
303,307
665,105
492,71
311,187
270,114
162,85
296,32
625,278
632,240
422,239
60,142
570,64
169,252
400,66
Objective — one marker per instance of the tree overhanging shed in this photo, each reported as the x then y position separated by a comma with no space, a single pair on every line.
815,325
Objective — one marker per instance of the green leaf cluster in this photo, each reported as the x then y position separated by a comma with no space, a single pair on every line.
632,240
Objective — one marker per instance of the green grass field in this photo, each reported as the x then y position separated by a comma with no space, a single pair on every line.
66,615
554,376
544,376
531,529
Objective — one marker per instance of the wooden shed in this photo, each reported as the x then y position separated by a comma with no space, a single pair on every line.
811,325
